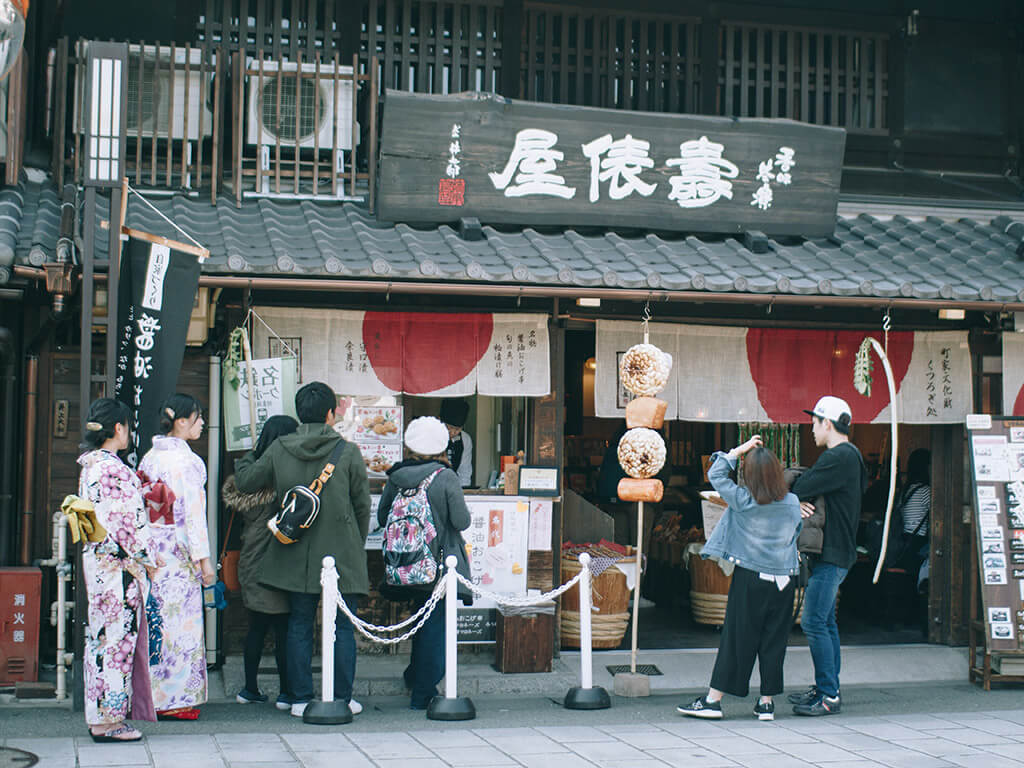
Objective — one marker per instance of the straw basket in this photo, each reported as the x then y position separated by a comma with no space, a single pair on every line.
611,603
709,591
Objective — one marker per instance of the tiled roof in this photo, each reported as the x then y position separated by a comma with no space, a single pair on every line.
867,256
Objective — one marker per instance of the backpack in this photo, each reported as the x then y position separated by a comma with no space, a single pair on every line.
301,504
409,536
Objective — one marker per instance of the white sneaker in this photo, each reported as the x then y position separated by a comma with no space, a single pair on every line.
355,706
299,708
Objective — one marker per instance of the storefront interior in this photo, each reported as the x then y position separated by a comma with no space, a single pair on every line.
892,611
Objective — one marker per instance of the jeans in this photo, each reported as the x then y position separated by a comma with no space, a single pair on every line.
301,622
819,624
426,664
259,623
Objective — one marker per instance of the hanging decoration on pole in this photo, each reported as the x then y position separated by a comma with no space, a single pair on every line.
863,365
644,371
157,287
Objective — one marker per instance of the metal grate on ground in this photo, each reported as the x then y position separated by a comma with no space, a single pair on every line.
642,669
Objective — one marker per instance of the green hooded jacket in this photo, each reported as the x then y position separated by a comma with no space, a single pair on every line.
341,527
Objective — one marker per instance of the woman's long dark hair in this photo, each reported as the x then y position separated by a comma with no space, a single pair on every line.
104,414
762,473
177,406
273,428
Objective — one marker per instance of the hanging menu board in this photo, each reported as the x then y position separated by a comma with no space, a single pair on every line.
997,462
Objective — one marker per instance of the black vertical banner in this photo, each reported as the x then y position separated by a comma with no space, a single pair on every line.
157,291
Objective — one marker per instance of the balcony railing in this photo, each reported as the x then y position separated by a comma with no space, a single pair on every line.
207,119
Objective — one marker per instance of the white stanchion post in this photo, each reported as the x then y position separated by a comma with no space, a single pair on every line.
327,711
586,634
328,610
451,706
586,696
451,631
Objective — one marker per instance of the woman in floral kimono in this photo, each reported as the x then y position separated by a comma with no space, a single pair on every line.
117,685
179,536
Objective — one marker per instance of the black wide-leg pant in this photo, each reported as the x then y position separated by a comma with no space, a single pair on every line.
758,617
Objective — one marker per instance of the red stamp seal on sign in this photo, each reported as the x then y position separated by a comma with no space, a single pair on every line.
451,192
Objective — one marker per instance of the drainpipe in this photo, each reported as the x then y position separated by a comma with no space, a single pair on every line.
213,429
357,285
8,386
28,460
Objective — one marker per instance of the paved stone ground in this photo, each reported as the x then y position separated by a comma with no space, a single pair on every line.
905,727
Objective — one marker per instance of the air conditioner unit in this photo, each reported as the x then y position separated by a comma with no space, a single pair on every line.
149,82
266,124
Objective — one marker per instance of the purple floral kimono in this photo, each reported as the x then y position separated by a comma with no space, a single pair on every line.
117,681
179,674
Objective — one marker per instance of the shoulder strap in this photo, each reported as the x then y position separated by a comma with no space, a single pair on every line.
325,474
426,481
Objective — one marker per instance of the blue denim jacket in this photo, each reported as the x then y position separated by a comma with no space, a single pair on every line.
758,537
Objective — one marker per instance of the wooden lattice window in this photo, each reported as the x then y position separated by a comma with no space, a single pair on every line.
434,47
574,55
278,28
820,76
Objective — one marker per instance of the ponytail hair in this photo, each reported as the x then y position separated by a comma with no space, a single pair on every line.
104,415
177,406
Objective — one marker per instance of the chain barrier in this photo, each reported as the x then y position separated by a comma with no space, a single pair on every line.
419,618
519,601
329,581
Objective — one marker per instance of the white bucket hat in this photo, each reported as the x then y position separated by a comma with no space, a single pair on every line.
427,436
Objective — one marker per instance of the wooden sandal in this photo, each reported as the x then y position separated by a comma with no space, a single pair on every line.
115,735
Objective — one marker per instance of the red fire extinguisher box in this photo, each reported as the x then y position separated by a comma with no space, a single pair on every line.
19,624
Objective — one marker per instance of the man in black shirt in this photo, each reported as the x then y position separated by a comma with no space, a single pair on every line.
840,476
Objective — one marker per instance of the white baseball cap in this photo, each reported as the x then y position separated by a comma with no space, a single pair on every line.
834,409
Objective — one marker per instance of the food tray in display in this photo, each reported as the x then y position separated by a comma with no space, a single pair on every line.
378,423
379,457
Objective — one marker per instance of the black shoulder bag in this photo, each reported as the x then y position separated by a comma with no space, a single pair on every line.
301,504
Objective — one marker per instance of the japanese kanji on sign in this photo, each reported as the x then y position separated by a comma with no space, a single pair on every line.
506,161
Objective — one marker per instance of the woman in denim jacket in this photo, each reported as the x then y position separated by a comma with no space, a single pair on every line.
758,534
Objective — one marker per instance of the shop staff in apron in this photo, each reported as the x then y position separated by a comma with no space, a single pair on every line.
840,476
460,446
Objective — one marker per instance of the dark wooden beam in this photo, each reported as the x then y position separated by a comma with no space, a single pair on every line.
511,48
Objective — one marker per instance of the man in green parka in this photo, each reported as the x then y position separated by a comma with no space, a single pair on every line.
339,531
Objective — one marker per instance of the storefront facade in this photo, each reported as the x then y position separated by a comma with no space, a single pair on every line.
906,244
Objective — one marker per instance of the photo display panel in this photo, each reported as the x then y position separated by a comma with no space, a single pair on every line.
997,469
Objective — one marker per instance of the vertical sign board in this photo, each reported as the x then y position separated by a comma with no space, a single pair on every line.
997,462
516,162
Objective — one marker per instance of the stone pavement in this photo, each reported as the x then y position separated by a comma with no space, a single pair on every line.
633,733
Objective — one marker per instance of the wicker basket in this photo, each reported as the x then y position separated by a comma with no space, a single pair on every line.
709,591
610,618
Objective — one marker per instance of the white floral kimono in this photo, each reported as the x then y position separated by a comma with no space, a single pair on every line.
117,683
179,675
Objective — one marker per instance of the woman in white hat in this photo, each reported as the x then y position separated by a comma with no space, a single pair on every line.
422,506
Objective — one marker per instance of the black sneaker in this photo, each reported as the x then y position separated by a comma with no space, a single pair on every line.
822,705
804,697
701,707
765,710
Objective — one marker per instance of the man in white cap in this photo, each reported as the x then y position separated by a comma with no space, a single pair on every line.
840,476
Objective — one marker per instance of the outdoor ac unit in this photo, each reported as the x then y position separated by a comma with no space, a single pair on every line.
266,124
149,81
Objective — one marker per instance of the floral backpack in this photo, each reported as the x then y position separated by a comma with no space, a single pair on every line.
409,536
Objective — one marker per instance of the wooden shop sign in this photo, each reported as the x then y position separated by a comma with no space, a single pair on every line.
515,162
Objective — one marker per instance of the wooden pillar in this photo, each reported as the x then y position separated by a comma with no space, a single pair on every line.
547,440
511,48
709,55
950,556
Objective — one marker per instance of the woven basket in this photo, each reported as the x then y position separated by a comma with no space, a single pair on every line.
610,617
709,591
